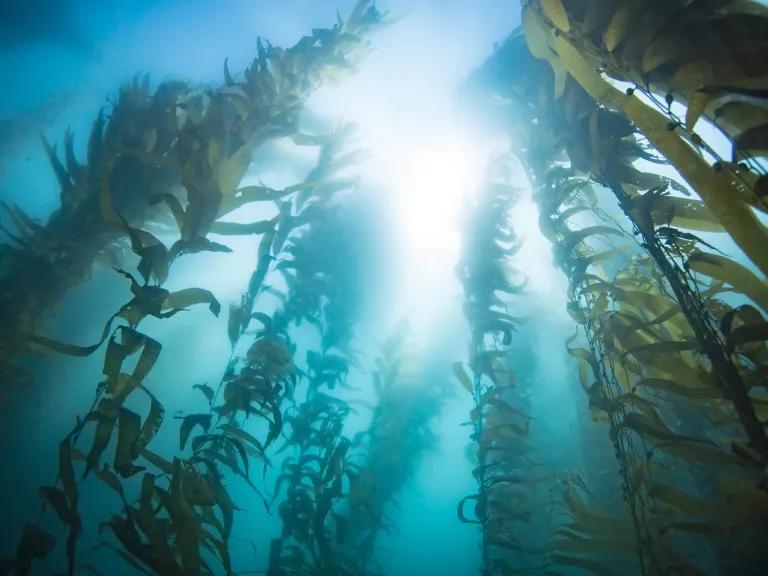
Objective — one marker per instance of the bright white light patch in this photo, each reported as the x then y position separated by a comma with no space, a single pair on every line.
430,186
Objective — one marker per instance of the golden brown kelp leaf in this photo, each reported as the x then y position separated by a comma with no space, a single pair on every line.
731,273
704,53
735,216
189,422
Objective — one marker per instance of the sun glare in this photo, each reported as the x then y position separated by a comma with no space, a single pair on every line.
431,184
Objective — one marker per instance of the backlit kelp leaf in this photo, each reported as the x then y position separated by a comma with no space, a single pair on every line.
250,194
154,256
105,417
584,372
66,184
149,354
128,432
703,454
187,524
692,392
732,273
538,43
743,327
463,377
684,213
693,506
655,430
57,500
124,343
71,349
157,461
66,469
151,425
67,480
697,105
35,544
207,391
239,447
262,267
234,323
190,296
195,246
572,239
556,12
745,497
146,518
754,139
666,347
237,432
189,422
147,301
110,479
176,209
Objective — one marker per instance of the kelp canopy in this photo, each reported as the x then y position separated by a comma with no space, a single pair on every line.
611,112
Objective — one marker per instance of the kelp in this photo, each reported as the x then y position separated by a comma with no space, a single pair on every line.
505,506
641,316
178,145
164,537
389,451
315,266
580,48
610,149
34,544
182,520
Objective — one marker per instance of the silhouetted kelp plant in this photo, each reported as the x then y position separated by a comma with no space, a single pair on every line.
603,100
500,420
408,401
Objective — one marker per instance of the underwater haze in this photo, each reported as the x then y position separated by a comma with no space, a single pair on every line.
397,288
